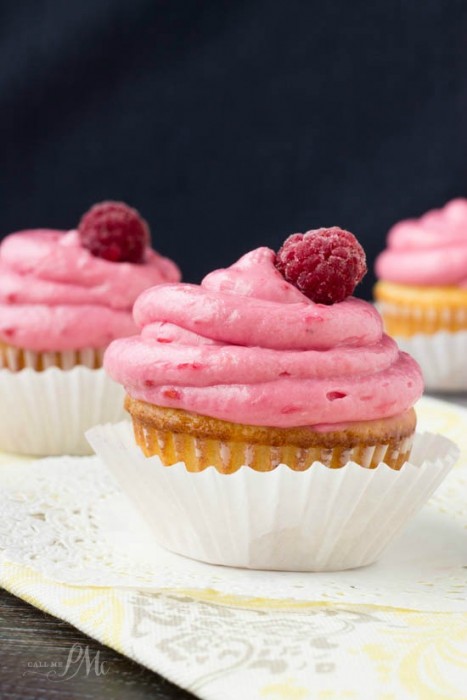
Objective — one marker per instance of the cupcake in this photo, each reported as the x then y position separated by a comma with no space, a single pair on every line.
422,292
272,418
64,296
269,362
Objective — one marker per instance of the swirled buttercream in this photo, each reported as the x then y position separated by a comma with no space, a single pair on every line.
431,250
248,347
55,295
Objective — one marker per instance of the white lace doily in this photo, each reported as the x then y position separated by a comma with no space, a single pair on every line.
66,518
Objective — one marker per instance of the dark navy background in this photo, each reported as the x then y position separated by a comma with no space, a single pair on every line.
232,124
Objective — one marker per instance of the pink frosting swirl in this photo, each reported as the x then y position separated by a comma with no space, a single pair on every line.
431,250
55,295
248,347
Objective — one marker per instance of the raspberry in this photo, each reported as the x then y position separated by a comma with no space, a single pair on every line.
115,232
325,264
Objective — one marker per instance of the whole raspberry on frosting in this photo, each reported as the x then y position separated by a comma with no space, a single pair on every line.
325,264
115,232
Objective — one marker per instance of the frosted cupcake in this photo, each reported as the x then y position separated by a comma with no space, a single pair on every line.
272,418
422,292
269,362
64,296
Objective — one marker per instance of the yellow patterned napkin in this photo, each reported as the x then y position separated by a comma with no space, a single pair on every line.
222,647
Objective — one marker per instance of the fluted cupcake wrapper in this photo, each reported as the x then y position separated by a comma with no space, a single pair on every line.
442,357
441,353
412,318
48,412
16,359
230,455
320,519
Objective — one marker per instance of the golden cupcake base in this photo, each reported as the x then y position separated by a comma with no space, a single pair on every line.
409,310
15,359
200,441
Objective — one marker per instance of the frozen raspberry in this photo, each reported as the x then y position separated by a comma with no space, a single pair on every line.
325,264
115,232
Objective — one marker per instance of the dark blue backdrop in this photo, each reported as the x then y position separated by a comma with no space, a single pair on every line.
232,124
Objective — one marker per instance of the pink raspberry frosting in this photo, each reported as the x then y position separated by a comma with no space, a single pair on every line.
431,250
55,295
248,347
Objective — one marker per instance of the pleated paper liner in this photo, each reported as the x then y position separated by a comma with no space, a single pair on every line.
442,357
227,456
199,441
434,337
48,412
16,359
320,519
409,319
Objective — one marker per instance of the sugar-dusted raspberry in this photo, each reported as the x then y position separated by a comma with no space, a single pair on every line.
326,264
115,232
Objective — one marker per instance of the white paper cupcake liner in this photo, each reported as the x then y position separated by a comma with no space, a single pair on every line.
318,520
47,413
442,357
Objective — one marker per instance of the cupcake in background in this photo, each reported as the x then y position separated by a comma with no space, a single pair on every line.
272,418
422,292
64,296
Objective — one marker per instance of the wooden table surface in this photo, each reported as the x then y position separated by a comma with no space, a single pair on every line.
33,643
